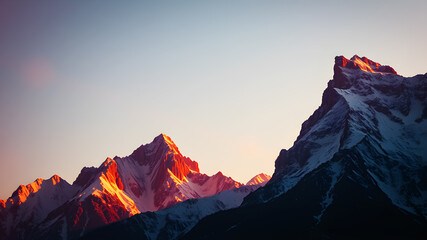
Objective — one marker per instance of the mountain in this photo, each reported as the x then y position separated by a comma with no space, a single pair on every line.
29,205
155,176
260,179
358,169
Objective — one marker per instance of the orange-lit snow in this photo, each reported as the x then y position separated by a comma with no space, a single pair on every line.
261,179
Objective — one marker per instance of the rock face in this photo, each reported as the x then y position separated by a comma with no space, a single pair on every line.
153,177
358,169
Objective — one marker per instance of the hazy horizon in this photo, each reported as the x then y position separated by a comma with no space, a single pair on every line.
230,82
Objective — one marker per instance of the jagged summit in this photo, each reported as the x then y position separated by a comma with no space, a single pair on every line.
363,64
350,72
55,179
163,149
161,145
21,194
165,140
30,204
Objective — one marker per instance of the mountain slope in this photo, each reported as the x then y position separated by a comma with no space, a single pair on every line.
153,177
325,204
357,170
172,222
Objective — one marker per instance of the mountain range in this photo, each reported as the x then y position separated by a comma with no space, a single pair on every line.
357,170
155,176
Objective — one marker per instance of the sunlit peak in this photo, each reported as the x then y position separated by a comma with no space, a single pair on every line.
363,64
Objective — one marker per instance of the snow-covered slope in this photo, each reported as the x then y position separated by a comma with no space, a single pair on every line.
260,179
173,222
153,177
358,169
29,205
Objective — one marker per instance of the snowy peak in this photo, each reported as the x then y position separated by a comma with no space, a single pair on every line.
260,179
163,151
363,64
378,117
350,72
164,142
23,191
55,179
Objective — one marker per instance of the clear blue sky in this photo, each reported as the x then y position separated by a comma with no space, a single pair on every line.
229,81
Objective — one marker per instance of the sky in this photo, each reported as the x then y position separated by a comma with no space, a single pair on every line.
230,82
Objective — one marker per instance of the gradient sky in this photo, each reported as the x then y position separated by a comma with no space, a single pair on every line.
229,81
